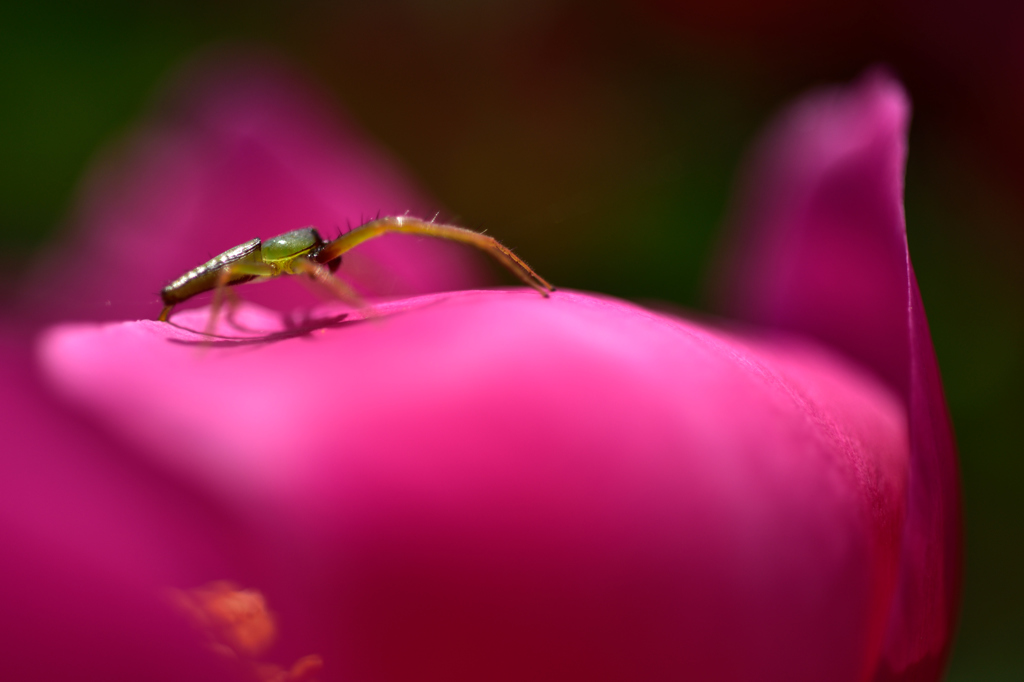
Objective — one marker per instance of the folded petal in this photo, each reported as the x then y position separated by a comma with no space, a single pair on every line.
500,486
821,250
240,147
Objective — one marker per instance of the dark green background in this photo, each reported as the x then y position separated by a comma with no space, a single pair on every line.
603,139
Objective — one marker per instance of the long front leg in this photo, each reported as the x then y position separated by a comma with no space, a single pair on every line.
405,225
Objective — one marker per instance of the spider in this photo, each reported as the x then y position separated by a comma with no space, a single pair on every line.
305,252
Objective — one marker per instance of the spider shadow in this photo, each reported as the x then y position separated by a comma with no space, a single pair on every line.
292,330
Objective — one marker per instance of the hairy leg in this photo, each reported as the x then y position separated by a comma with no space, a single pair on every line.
406,225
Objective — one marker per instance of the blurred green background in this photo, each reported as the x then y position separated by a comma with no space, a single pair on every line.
602,140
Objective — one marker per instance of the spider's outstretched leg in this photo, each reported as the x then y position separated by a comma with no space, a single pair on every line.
406,225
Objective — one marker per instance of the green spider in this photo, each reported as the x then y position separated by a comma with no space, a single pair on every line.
305,252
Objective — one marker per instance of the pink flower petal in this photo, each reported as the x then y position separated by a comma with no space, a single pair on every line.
503,486
240,148
91,539
823,252
493,485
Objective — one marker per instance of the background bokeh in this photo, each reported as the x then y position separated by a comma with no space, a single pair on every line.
602,140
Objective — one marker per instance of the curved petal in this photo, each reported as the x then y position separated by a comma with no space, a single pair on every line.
240,147
822,251
92,537
502,486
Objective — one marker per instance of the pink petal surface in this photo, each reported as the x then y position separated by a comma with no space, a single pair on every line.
823,252
239,148
91,537
500,486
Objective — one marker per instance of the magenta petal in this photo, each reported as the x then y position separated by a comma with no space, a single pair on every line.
240,148
507,487
823,252
91,540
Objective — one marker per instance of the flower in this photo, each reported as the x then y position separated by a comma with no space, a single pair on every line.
492,485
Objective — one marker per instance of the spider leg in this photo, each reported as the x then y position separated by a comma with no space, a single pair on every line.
406,225
221,290
233,300
340,289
